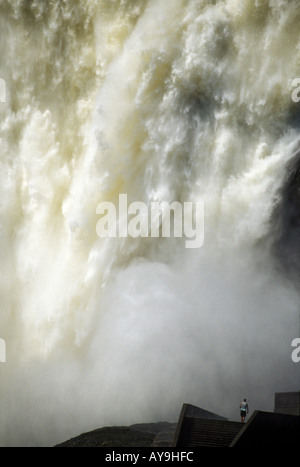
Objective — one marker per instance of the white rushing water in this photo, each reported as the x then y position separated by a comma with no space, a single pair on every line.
164,100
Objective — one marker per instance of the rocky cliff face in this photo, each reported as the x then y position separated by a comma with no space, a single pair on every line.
140,435
287,221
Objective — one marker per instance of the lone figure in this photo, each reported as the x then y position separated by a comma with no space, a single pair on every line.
244,409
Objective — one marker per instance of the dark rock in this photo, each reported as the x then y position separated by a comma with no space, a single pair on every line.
139,435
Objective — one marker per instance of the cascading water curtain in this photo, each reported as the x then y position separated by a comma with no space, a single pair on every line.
185,101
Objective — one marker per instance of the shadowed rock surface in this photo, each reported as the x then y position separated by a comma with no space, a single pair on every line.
139,435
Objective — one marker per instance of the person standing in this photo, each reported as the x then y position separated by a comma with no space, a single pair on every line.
244,409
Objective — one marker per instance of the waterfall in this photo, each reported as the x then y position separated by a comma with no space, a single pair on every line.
164,102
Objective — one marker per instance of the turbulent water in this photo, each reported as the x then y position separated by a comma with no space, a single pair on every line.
164,100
